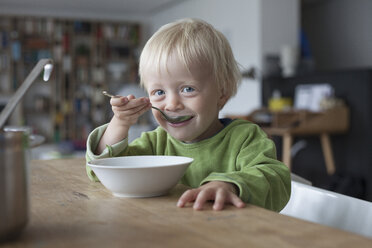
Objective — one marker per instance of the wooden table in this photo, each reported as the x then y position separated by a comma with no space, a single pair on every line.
292,123
67,210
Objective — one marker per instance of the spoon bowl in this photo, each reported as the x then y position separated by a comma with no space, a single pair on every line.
168,118
172,119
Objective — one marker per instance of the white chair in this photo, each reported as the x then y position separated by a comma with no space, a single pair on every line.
329,208
297,178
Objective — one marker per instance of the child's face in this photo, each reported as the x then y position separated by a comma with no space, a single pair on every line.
178,92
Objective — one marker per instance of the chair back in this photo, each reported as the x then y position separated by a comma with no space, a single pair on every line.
329,208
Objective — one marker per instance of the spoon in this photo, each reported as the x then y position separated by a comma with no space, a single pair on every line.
170,119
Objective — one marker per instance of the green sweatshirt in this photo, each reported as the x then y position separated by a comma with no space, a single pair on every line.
240,154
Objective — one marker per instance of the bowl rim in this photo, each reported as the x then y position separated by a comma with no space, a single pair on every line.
188,160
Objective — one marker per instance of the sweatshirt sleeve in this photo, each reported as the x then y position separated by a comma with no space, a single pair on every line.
110,151
262,179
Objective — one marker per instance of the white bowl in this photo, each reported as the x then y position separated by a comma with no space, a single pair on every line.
140,176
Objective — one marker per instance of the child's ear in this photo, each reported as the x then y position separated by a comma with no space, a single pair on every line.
222,101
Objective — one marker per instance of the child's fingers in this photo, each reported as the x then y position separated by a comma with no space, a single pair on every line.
133,103
200,196
220,200
131,97
223,197
129,101
204,195
188,196
236,201
118,101
133,108
137,103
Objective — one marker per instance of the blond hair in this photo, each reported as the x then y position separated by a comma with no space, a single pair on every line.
193,41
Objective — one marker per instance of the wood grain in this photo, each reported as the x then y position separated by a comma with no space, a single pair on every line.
68,210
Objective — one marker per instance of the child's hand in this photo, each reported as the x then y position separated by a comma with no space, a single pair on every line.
220,192
128,109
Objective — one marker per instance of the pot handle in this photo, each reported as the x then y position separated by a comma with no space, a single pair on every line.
36,140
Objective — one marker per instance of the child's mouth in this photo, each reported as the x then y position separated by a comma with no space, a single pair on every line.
176,119
180,120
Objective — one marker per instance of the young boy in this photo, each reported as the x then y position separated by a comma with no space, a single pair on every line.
187,68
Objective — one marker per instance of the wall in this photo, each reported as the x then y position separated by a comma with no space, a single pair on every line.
252,28
280,24
339,32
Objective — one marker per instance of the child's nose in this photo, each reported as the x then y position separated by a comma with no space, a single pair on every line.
173,103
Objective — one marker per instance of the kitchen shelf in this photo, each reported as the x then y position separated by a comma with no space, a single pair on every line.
89,56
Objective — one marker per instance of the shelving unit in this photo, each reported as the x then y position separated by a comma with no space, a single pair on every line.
89,56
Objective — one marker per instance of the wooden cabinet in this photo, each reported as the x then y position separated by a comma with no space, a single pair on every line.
89,56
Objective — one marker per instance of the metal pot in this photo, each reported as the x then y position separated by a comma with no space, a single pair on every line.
14,168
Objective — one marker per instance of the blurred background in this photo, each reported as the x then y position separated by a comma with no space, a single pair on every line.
281,45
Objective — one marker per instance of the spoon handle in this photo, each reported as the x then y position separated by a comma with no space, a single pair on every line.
157,109
162,113
108,94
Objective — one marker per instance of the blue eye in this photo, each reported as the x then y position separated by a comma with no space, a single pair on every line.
159,92
188,89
